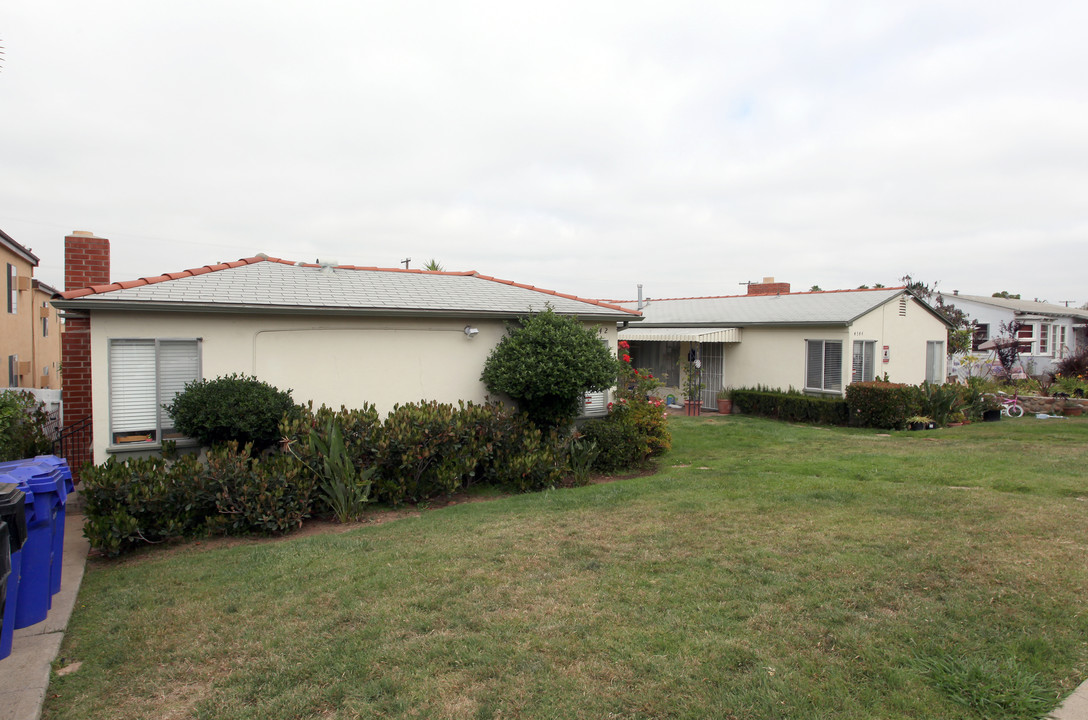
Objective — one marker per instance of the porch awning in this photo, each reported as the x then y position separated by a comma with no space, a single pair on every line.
717,335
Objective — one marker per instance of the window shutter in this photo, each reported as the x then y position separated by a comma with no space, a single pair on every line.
814,365
179,363
132,386
832,365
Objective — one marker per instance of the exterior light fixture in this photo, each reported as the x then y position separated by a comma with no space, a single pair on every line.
471,331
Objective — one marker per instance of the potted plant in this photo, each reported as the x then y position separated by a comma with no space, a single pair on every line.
920,422
725,401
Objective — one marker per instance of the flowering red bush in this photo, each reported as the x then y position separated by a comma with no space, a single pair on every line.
636,406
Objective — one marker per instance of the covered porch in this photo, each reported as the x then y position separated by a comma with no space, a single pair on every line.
669,352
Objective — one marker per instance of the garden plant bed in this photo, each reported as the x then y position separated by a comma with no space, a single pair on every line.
766,570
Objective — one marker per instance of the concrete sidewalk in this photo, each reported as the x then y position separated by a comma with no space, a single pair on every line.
24,675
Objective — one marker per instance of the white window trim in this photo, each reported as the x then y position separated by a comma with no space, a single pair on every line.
868,359
938,359
823,390
156,441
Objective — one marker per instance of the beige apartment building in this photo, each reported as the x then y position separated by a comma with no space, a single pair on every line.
29,324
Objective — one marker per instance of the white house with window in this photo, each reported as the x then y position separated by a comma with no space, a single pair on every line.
338,335
1047,332
818,342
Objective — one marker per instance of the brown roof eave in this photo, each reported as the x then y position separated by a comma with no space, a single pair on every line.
219,308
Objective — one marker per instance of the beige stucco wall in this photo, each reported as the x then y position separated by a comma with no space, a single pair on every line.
774,356
19,331
332,361
906,337
46,347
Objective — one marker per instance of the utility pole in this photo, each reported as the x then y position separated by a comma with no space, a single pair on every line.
405,262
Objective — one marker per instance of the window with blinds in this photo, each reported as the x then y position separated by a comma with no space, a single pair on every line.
823,365
864,355
144,376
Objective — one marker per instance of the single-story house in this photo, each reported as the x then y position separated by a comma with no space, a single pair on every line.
1047,333
818,342
338,335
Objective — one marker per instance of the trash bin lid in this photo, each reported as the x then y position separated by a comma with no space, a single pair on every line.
13,512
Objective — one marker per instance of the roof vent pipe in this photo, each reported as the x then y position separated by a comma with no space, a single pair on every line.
640,296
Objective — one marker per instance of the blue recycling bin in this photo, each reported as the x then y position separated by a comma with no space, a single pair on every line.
45,469
13,513
35,595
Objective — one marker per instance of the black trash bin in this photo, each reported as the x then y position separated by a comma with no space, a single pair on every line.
5,567
13,514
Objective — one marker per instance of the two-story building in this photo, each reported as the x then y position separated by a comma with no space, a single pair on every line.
29,326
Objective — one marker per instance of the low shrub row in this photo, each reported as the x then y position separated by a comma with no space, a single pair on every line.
882,405
328,462
790,406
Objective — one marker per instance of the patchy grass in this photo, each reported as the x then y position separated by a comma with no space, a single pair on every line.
766,571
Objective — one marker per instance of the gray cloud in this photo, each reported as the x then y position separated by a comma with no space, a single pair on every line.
583,147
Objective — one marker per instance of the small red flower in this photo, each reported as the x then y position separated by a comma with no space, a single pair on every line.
627,358
624,344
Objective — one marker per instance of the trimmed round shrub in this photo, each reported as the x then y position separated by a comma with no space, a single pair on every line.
546,364
231,408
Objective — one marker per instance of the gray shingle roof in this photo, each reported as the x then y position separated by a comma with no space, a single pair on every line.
1023,307
838,307
273,285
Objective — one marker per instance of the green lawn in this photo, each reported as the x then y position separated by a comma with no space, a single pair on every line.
766,571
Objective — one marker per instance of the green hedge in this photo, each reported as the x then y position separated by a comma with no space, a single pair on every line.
617,444
421,451
881,404
792,407
145,500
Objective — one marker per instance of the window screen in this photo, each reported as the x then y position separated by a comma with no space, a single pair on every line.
823,365
864,354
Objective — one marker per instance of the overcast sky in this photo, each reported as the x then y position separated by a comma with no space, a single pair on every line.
579,146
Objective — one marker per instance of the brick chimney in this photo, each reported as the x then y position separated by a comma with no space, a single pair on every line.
86,260
768,287
86,263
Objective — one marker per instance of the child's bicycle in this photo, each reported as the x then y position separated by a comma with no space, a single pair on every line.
1010,406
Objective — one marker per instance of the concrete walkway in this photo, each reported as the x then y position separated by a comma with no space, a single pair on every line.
24,675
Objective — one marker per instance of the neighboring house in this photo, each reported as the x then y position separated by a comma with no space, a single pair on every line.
334,335
29,327
1047,332
818,342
